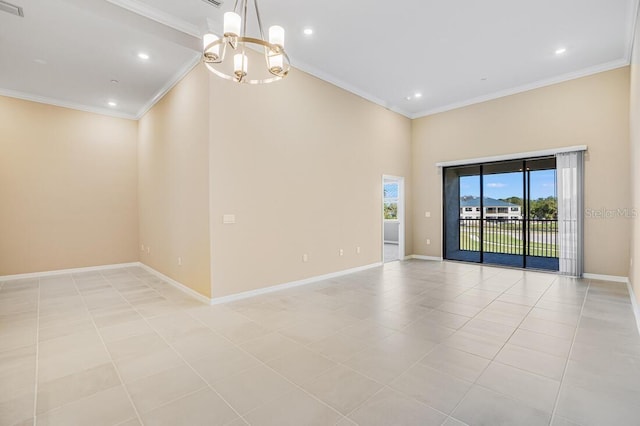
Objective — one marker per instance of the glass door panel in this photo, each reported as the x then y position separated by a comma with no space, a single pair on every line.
542,215
503,222
462,207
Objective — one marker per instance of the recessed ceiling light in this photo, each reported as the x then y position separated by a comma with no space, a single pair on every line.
143,56
112,104
561,50
308,31
417,95
114,81
40,61
484,79
408,98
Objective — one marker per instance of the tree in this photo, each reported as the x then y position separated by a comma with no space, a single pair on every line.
544,208
391,211
514,200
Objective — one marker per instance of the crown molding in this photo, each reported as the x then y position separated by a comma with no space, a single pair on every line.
608,66
65,104
143,9
303,66
175,79
325,77
632,27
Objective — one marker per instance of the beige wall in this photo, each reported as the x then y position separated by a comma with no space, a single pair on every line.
634,271
592,111
173,184
300,164
68,188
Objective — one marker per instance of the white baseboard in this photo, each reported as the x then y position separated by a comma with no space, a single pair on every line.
292,284
634,304
421,257
190,291
66,271
600,277
176,284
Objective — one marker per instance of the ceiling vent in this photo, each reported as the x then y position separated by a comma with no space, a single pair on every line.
11,8
215,3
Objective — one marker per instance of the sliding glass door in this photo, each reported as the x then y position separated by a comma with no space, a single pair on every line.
502,213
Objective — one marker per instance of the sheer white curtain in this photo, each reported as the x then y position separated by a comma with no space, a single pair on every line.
570,171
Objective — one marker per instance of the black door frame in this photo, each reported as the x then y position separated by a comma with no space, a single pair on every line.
526,206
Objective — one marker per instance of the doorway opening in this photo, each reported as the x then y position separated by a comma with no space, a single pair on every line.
503,213
392,218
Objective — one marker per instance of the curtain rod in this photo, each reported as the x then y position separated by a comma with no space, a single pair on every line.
516,156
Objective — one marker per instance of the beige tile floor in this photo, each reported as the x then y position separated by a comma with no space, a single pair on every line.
409,343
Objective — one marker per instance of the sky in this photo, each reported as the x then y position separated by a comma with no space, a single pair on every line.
504,185
391,190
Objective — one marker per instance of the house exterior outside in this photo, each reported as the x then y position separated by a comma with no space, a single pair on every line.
493,209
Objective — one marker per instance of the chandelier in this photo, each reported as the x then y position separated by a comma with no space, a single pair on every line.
228,57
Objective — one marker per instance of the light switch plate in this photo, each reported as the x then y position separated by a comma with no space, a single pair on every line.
229,218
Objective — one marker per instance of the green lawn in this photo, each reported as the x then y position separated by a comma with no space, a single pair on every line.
500,241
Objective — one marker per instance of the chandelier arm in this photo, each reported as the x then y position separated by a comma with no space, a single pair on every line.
244,18
213,66
255,4
235,6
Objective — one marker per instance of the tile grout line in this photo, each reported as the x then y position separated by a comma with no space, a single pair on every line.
338,363
492,359
447,416
268,367
35,395
305,346
517,327
386,386
237,345
207,385
529,372
566,365
475,382
115,367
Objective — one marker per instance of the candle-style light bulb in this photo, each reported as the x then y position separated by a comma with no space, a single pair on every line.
211,53
232,24
276,35
240,65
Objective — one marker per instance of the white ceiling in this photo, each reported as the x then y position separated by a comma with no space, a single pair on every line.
453,52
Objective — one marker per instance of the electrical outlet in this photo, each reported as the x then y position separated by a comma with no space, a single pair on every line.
179,261
305,257
148,250
341,252
142,247
427,214
428,241
358,250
